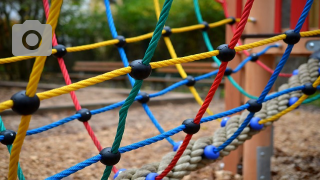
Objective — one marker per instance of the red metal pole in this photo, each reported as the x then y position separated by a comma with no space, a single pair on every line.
278,16
296,10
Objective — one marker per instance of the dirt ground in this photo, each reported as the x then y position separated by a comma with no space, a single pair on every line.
296,141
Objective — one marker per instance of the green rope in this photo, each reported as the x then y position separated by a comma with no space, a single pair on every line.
138,83
311,99
9,147
210,48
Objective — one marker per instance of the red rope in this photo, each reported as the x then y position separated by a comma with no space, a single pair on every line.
270,70
197,119
72,93
212,90
242,24
265,67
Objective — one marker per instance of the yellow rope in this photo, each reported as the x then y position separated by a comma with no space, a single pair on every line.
179,67
115,41
293,107
164,63
31,91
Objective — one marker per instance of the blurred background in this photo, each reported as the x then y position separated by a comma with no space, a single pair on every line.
84,22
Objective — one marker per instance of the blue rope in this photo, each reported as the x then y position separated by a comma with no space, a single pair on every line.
244,62
151,140
155,122
53,125
126,64
75,168
174,131
271,80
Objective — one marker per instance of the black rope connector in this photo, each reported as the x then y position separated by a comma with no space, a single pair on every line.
292,37
254,106
191,127
61,50
309,89
108,158
122,41
191,81
168,31
228,71
206,26
225,53
145,97
139,71
9,137
233,20
85,115
254,57
23,104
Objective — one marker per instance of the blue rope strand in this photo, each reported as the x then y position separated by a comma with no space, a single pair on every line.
126,64
155,122
271,80
75,168
181,127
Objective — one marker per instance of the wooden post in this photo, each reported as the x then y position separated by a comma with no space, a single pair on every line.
256,79
234,97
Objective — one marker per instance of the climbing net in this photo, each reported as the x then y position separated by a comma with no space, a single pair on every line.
188,155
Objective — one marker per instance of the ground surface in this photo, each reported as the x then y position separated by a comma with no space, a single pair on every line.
297,136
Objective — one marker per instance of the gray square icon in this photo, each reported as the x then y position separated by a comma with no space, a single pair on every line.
31,39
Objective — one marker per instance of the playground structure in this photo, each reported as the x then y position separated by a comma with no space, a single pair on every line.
236,127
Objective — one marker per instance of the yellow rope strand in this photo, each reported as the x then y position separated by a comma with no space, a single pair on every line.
293,107
115,41
164,63
30,91
179,67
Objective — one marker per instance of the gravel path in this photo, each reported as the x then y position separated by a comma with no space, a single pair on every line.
297,152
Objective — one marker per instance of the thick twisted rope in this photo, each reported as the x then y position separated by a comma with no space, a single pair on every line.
193,158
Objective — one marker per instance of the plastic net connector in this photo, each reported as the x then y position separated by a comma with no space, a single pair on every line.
254,57
139,71
85,115
228,72
25,105
145,97
61,51
191,127
225,53
122,41
191,81
309,89
292,37
108,158
168,31
206,26
254,106
9,136
233,20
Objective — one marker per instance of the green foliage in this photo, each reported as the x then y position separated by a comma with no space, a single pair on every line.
84,22
134,19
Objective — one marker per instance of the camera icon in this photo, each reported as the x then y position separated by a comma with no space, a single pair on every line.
31,39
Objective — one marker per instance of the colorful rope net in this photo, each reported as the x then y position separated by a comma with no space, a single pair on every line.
188,155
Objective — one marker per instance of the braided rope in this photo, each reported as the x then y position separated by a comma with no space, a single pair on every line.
192,159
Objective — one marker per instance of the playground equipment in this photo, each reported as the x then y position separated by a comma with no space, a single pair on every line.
188,155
